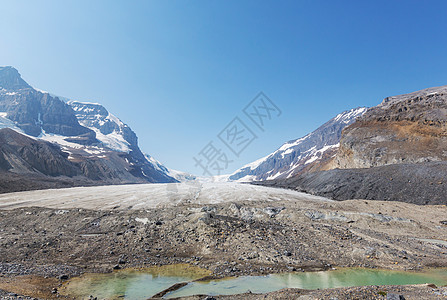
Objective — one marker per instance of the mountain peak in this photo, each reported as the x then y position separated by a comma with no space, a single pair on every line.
10,79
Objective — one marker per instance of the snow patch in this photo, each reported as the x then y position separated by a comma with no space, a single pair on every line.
142,220
274,176
348,116
42,91
114,119
247,178
58,139
316,154
73,102
256,163
294,143
7,123
114,140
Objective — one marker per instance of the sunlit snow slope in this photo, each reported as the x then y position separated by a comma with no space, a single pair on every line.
298,155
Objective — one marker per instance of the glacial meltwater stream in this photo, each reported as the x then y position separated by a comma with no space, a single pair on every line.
143,284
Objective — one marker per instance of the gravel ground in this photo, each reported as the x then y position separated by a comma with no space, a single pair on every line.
41,247
408,292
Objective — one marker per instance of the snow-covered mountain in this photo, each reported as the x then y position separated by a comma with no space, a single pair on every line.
99,143
178,175
300,155
109,130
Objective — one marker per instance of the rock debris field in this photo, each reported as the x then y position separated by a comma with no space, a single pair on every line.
231,229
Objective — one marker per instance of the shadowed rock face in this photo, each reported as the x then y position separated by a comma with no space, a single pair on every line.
10,79
409,128
21,154
25,157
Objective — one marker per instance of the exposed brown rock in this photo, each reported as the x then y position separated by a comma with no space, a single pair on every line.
409,128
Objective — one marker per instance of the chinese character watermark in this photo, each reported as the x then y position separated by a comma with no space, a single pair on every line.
212,159
236,136
261,109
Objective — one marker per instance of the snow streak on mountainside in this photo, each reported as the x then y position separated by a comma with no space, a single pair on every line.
301,154
7,123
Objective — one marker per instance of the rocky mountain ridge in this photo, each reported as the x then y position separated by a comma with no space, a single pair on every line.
394,151
410,128
309,153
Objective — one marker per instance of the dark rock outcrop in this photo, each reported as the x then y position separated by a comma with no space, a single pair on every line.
21,154
423,183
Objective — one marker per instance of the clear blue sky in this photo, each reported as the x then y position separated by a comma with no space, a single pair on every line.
178,71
